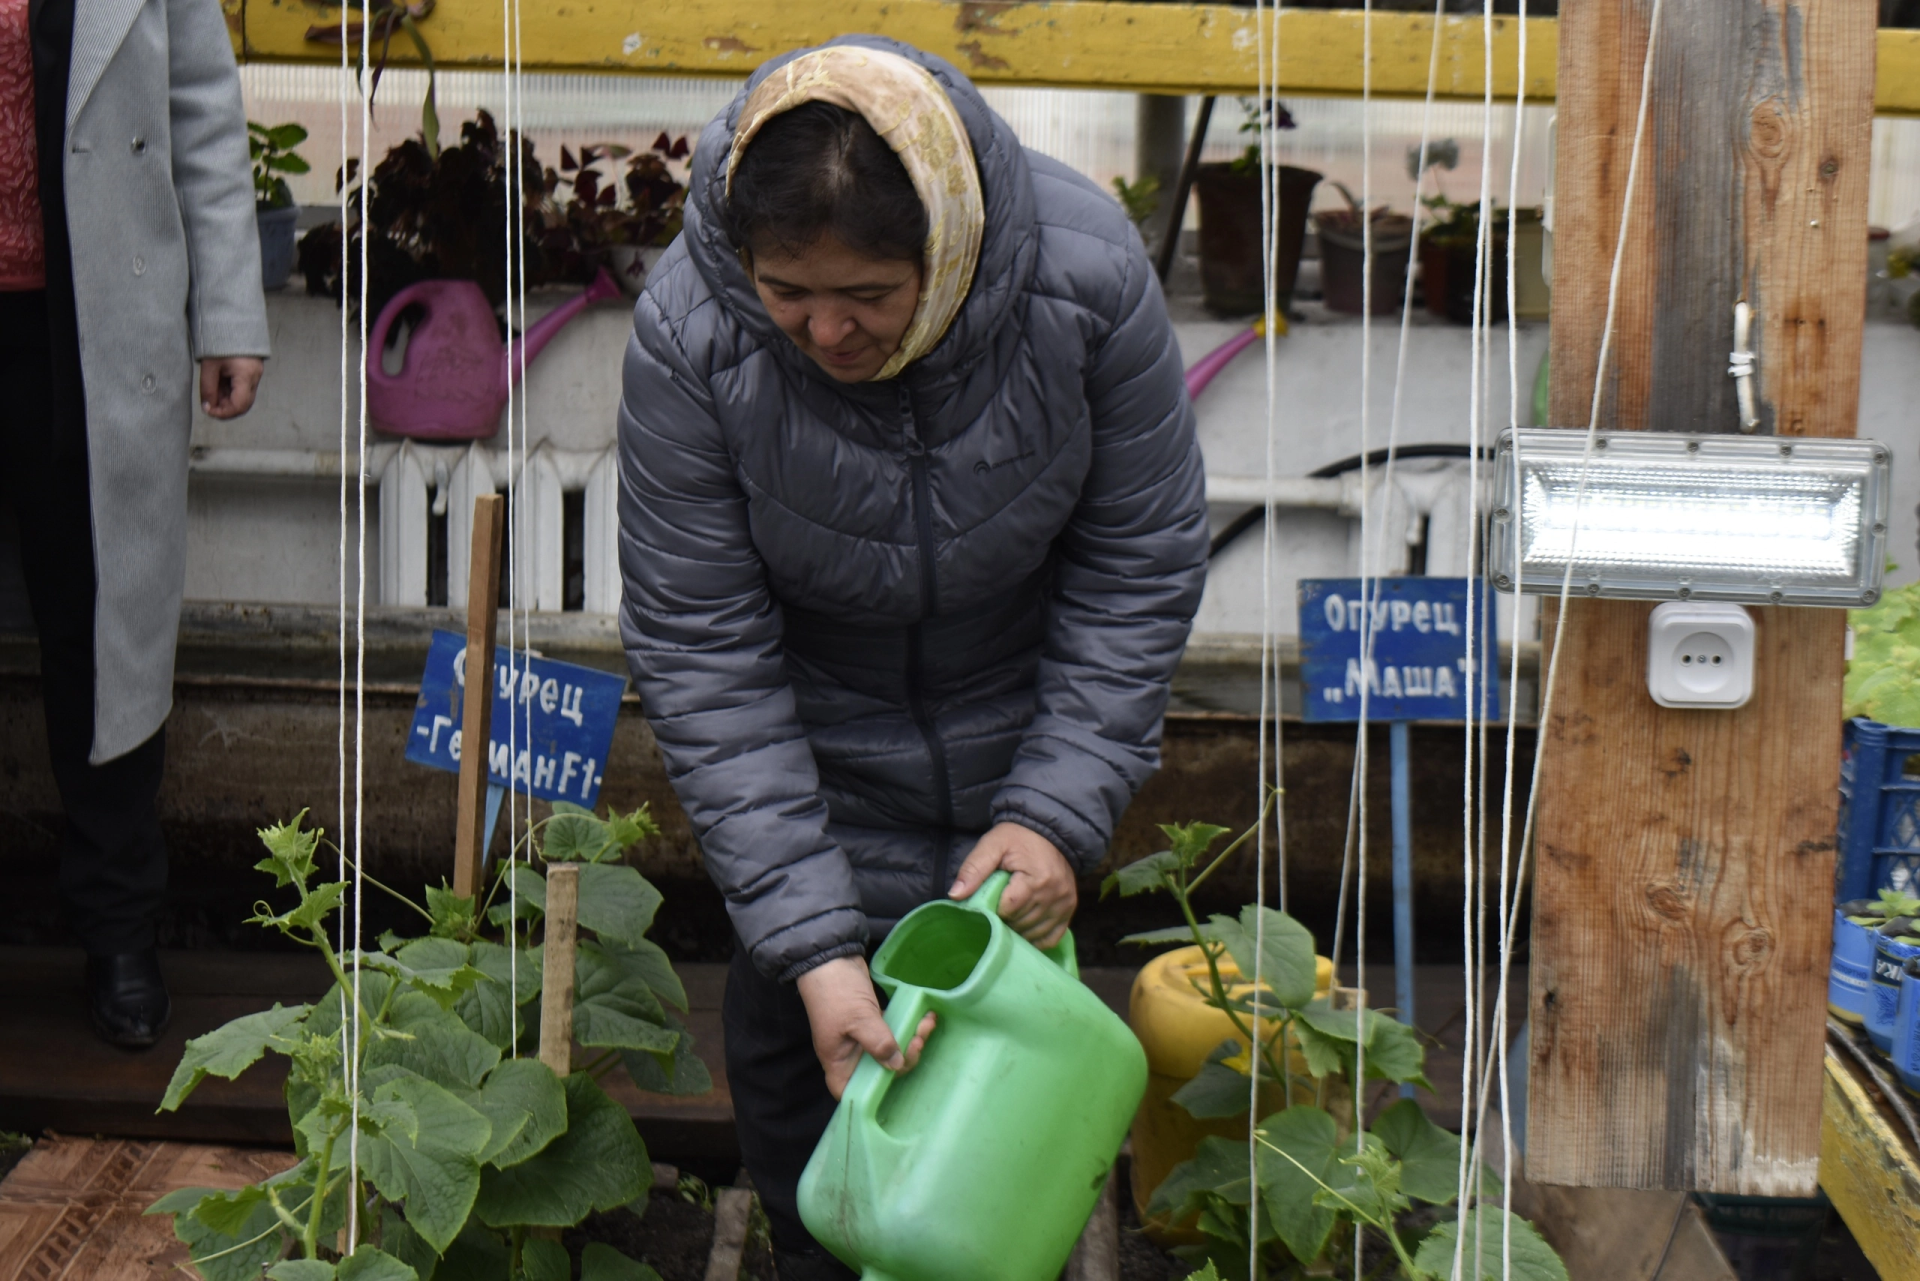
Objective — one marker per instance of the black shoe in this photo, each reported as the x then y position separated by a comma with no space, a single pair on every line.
128,998
811,1267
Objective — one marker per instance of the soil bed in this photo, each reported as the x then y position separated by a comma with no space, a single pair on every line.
674,1237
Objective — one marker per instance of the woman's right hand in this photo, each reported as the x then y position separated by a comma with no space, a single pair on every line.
844,1012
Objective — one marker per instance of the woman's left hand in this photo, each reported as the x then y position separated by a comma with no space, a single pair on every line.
227,384
1039,901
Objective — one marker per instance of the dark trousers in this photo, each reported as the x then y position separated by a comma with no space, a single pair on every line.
113,862
780,1100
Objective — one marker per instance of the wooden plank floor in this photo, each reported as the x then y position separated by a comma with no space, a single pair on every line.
55,1075
74,1209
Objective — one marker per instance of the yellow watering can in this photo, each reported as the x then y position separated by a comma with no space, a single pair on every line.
985,1160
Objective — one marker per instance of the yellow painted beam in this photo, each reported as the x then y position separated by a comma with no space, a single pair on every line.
1073,44
1869,1171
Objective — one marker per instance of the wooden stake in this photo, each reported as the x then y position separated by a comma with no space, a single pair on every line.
556,981
476,720
1685,858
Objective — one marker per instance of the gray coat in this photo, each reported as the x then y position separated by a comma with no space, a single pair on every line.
166,270
868,622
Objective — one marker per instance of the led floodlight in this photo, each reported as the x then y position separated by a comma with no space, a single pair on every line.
1663,516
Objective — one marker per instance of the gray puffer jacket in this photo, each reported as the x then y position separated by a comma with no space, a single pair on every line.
869,621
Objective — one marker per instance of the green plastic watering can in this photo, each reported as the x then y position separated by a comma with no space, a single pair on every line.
983,1162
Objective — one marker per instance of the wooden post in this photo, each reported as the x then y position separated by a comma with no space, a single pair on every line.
1685,858
556,979
476,719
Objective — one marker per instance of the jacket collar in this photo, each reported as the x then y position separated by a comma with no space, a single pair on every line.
98,28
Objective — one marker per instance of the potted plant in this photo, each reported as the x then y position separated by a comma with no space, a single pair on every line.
1449,254
1343,240
624,225
468,1153
1322,1184
274,157
1230,221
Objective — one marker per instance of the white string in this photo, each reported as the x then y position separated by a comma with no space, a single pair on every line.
359,653
340,745
1366,597
508,85
1267,77
1549,683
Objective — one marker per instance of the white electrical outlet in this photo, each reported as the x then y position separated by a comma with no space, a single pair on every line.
1700,654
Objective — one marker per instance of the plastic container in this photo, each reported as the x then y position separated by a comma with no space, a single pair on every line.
1879,810
1906,1028
1178,1030
1889,958
987,1158
1850,979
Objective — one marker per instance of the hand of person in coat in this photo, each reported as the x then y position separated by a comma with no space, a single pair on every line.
227,384
1039,901
844,1013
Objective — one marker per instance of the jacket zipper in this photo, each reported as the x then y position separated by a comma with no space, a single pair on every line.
916,639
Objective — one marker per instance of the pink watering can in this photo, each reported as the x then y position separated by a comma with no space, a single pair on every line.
454,377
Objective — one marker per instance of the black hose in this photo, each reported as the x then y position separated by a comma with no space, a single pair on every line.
1377,458
1170,239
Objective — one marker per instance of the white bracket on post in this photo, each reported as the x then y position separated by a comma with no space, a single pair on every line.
1742,365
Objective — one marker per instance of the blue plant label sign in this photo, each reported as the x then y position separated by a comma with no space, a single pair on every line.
1419,669
552,722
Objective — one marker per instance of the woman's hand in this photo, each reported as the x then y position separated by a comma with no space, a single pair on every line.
1039,901
227,384
845,1015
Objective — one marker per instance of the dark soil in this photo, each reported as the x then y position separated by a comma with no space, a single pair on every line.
1141,1259
674,1236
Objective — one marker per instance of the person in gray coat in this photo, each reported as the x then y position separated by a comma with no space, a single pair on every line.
912,530
128,254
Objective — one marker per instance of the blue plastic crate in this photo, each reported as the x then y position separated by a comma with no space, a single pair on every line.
1879,810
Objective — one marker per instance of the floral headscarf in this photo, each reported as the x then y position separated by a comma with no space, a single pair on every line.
907,107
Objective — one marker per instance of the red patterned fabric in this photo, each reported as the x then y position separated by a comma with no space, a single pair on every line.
22,247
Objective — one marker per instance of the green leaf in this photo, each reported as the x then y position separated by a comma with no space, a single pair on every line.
1429,1156
1498,1234
1218,1168
290,851
228,1051
542,1260
574,837
1208,1273
181,1200
439,967
1394,1052
601,1262
405,1245
1192,840
301,1270
599,1163
527,1107
1366,1184
313,910
646,962
499,964
425,1153
452,913
241,1256
628,830
1298,1151
1152,938
288,164
285,137
477,1254
688,1073
488,1006
1287,967
617,903
370,1264
528,886
1217,1092
1150,873
228,1212
434,1043
615,1009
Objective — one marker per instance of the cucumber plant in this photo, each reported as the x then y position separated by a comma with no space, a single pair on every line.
431,1145
1319,1183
